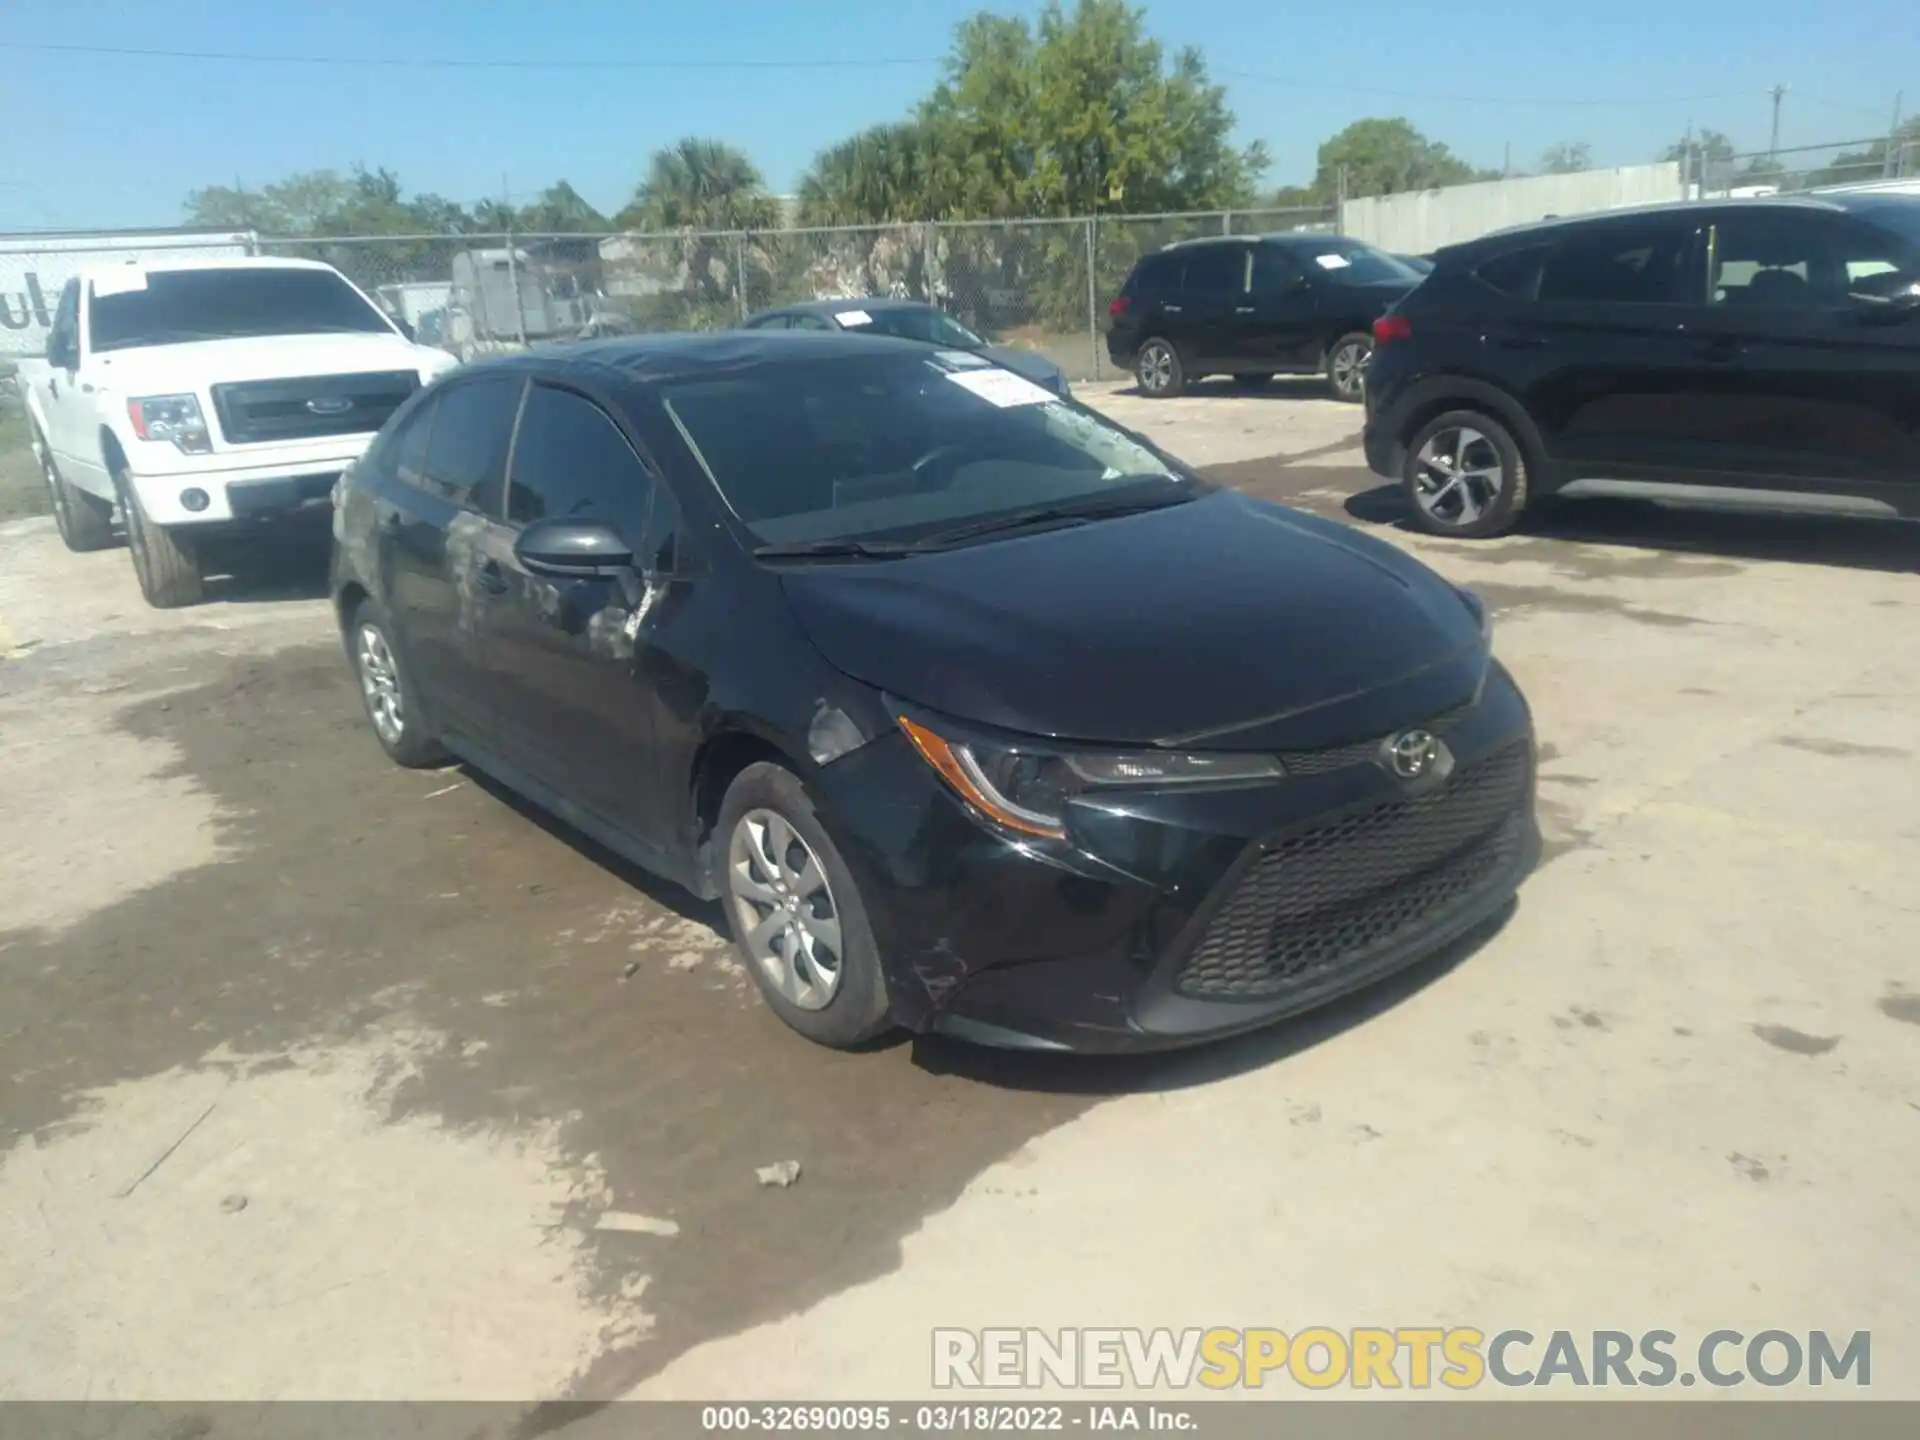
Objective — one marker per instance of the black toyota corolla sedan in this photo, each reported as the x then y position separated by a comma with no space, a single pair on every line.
976,712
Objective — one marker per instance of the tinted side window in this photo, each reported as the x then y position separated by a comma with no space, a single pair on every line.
1515,273
1621,264
403,454
1154,274
1274,271
1774,260
571,460
811,322
468,448
770,322
1217,270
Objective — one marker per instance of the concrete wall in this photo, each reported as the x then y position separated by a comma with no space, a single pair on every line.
1424,220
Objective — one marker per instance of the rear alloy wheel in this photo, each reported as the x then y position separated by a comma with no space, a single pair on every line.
795,912
389,699
1347,361
85,521
1465,476
1159,369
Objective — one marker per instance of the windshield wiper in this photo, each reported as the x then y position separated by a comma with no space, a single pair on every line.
836,550
1066,512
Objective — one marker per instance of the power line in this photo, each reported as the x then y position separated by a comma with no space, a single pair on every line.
1469,99
439,63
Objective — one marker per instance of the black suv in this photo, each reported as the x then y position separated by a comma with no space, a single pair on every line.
1254,307
1758,354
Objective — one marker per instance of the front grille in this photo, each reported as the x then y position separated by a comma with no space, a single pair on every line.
253,412
1339,757
1339,895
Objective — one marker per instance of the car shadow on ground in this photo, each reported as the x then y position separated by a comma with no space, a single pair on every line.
1051,1072
266,569
1891,546
1221,387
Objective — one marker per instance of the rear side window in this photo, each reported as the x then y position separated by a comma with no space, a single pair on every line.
467,452
404,455
1620,264
1154,274
572,461
1217,270
1516,273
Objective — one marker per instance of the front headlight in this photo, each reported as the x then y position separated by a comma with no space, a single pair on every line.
171,419
1025,785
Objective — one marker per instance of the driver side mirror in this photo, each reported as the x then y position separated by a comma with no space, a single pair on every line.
573,549
1898,304
62,354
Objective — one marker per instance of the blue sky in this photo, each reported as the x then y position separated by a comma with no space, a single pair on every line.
98,141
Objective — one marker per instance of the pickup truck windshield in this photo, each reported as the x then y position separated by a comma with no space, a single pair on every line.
179,306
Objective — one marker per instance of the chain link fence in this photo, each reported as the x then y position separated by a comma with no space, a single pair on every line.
1802,168
1040,284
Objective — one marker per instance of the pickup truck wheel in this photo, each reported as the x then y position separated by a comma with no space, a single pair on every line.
164,561
85,521
393,709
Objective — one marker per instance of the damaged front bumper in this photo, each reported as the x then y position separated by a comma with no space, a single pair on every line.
1170,918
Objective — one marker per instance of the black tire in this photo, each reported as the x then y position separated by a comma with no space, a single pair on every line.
85,521
1479,442
1346,366
1251,382
854,1010
410,741
1159,369
165,562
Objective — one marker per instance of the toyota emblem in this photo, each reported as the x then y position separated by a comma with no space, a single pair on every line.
1412,753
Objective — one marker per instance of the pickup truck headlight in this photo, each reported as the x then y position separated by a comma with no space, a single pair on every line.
171,419
1025,785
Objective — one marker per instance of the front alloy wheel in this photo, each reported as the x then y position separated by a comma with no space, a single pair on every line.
380,686
784,909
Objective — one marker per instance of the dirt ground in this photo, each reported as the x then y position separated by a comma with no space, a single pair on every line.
323,1079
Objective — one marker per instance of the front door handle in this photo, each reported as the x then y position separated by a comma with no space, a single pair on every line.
1523,342
1171,309
491,578
1243,309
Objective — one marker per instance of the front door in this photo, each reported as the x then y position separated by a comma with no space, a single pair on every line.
1821,384
1277,325
72,431
563,658
448,460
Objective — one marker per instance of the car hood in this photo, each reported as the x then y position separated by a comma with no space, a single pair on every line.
1225,622
1036,367
195,366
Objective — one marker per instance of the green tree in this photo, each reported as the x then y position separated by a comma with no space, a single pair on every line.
1567,158
561,210
1853,166
700,184
1708,145
886,173
1387,157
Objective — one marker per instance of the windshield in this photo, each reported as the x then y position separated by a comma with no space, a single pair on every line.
902,446
933,326
1348,262
175,306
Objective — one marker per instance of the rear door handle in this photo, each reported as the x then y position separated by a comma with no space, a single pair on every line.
1243,309
1171,309
1721,350
491,578
1523,342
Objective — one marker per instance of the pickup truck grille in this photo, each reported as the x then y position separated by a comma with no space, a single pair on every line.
253,412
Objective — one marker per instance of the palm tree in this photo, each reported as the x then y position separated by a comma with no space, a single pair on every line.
696,184
888,173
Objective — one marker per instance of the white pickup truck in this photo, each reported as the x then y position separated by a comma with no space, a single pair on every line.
204,397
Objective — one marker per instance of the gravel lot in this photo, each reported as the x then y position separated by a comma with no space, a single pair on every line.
325,1079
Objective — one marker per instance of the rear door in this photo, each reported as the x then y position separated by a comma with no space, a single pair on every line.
1608,357
561,657
432,527
1214,304
1816,384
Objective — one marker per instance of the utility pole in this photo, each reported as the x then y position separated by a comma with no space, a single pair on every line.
1773,143
1506,160
1895,157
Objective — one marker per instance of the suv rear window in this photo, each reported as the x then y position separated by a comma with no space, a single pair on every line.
1621,263
1515,273
1154,272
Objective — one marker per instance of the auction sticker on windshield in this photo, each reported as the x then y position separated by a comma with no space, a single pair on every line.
1332,262
854,317
1001,387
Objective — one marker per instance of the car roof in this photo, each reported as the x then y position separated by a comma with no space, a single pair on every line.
160,264
1275,237
1811,201
650,359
